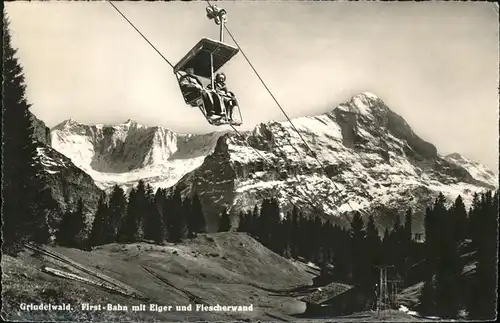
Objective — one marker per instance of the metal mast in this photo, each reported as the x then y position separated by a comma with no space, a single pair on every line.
383,301
220,17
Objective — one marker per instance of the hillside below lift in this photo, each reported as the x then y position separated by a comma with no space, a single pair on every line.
205,58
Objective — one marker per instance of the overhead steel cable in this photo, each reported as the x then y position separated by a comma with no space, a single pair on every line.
159,53
281,108
258,75
271,164
171,65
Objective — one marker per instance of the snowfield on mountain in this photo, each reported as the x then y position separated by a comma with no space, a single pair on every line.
371,161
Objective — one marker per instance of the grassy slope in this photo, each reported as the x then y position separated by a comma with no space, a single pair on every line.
222,268
217,268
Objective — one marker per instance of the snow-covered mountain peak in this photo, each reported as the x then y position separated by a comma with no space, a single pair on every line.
129,124
67,124
370,158
365,105
127,152
477,170
369,95
456,157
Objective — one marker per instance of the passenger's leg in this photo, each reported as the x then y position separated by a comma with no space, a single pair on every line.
217,103
228,103
234,104
208,103
216,109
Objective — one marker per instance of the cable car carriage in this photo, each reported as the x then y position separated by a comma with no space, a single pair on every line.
199,84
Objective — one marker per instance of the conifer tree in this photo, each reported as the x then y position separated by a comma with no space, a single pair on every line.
129,229
397,229
459,220
295,232
263,232
152,220
225,221
427,299
372,232
357,241
254,222
408,224
448,270
483,297
117,208
63,233
243,222
286,227
24,198
344,255
72,227
80,224
397,246
187,213
373,250
313,250
144,207
199,224
473,223
386,236
177,226
443,259
154,228
275,237
164,204
149,192
97,235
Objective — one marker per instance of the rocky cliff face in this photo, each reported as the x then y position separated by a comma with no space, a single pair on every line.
125,153
371,161
66,182
41,131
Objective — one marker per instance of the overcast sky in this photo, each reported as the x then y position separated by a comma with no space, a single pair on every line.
434,63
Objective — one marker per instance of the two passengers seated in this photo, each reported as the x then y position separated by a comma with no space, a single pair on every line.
193,89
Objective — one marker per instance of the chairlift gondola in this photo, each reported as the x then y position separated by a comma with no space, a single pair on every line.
206,58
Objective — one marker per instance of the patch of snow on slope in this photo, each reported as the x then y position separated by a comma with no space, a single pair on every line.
51,165
363,108
76,147
157,175
244,154
258,185
370,95
320,126
168,156
475,169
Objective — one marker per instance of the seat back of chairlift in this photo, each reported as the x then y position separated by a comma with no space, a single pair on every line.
205,58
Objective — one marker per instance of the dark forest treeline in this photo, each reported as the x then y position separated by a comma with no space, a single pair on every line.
145,215
456,240
25,200
354,253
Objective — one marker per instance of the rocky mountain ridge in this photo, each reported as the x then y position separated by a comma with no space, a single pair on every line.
66,182
371,160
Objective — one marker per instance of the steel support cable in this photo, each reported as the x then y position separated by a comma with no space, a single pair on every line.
168,62
150,44
280,107
171,65
271,164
